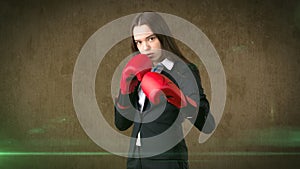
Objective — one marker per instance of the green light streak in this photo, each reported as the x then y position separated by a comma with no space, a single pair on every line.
247,153
54,153
36,131
107,153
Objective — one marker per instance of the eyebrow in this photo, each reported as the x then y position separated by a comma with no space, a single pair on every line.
147,37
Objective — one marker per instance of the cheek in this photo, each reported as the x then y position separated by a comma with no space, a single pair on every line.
139,48
156,45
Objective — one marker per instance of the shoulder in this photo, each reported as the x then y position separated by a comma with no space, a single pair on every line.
183,67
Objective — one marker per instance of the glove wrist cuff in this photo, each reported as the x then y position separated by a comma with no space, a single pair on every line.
123,101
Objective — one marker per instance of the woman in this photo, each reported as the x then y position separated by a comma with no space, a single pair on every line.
159,88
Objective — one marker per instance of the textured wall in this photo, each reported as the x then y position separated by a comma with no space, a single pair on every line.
258,43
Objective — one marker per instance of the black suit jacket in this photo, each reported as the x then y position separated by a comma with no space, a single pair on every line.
160,125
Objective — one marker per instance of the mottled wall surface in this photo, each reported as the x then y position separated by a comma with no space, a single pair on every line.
258,43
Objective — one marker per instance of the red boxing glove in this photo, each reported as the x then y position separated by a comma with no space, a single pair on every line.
155,85
137,66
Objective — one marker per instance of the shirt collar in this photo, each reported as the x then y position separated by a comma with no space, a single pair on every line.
167,63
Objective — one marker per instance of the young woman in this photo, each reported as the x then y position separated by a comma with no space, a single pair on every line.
159,88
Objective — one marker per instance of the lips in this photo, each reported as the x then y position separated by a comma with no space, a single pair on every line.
150,55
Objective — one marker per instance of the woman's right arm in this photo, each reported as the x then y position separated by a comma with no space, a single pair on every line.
132,74
124,111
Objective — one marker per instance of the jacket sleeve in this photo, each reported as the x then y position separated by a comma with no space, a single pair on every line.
124,111
198,116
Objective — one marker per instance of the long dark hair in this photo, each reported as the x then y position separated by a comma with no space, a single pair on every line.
160,28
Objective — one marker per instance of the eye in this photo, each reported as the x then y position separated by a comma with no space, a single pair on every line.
138,42
151,38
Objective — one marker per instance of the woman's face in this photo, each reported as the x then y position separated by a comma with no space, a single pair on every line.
147,43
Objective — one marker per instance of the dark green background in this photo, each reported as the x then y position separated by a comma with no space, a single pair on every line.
259,46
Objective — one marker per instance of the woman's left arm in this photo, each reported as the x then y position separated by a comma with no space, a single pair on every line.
195,92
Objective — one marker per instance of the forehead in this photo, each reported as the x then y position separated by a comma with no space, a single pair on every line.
141,32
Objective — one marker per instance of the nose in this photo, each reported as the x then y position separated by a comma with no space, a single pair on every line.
146,46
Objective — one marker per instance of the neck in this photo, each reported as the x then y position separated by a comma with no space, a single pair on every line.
155,63
158,61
